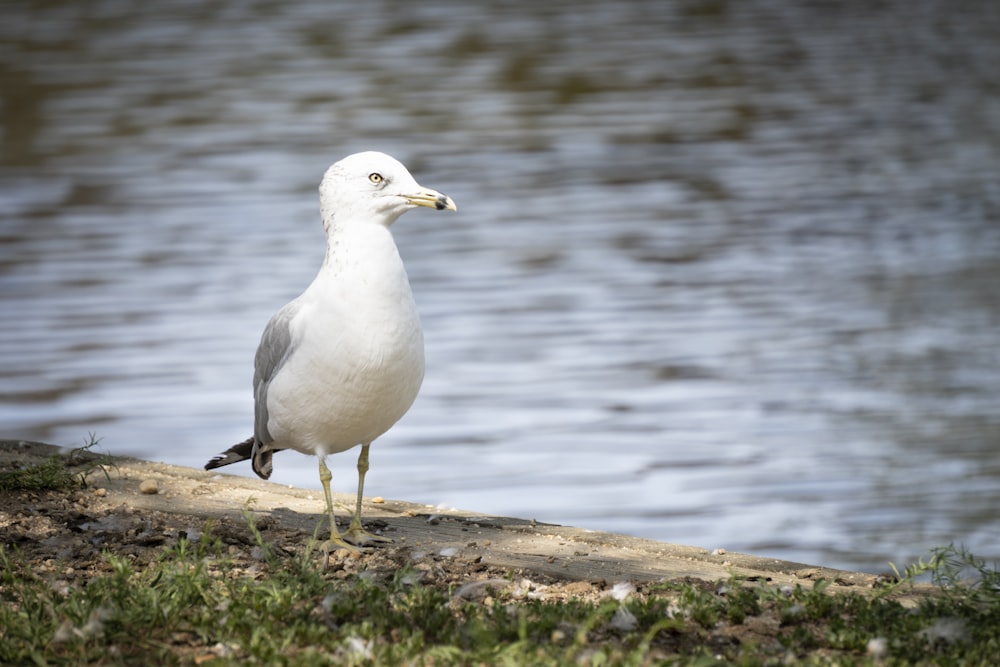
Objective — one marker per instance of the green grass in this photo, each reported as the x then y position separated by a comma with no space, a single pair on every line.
57,473
193,607
200,602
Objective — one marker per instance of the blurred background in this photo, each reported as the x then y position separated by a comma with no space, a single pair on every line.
724,273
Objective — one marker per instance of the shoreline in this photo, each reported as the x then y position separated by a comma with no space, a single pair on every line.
561,552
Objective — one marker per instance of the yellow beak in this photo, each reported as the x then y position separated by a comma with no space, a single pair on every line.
432,199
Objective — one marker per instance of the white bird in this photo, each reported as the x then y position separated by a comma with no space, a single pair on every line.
340,364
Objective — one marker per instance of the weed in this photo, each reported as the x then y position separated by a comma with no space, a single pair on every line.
200,601
55,474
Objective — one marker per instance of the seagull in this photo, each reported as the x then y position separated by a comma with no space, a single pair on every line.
339,365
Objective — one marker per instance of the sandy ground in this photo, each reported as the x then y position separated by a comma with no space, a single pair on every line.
137,510
68,531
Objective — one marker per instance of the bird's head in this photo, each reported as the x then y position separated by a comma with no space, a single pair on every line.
373,187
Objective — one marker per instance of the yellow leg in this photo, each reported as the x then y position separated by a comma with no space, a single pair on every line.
336,541
356,533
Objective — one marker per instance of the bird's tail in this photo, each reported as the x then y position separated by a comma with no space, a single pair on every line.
241,451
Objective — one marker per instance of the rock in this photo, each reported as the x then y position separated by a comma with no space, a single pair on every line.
149,487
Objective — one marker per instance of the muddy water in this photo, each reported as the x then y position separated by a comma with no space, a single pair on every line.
724,273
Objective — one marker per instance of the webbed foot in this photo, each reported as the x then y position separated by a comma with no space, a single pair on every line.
358,536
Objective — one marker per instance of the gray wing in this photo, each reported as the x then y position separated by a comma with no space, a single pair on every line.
274,350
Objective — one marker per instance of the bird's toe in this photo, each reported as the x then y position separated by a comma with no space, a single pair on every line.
360,537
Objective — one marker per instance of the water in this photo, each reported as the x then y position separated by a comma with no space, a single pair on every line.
723,274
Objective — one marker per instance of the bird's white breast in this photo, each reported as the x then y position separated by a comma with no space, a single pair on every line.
357,357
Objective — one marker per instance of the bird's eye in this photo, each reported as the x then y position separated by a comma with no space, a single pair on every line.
375,178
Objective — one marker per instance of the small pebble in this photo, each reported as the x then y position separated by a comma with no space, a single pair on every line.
622,590
624,620
64,633
877,648
411,579
149,487
101,492
378,500
478,590
61,587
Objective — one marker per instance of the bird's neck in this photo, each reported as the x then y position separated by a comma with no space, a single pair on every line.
366,251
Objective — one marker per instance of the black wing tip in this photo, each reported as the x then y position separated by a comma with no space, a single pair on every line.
239,452
218,462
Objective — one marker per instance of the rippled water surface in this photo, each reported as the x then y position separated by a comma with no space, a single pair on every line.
724,273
